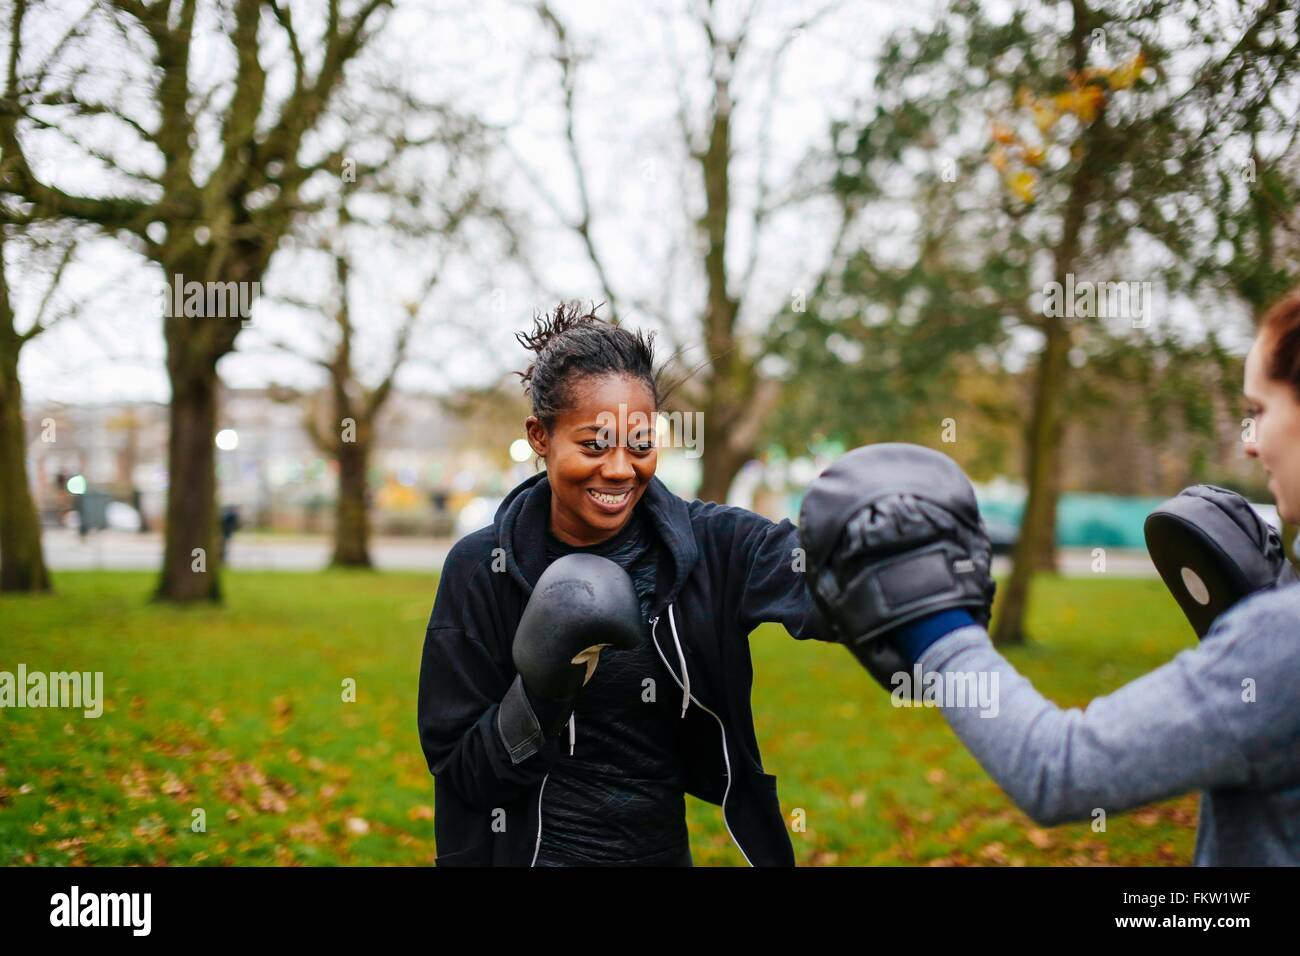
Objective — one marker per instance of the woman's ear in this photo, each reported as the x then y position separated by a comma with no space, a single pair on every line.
537,436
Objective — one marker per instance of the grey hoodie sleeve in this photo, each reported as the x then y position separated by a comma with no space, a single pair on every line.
1224,714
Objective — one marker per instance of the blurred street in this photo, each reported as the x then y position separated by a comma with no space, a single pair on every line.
122,551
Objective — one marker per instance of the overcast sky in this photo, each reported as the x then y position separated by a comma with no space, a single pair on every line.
490,59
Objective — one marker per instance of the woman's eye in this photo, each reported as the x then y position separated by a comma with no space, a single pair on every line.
639,448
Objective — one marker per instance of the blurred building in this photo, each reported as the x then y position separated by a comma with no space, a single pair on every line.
429,461
442,465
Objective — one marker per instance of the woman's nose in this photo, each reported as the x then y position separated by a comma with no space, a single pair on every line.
619,464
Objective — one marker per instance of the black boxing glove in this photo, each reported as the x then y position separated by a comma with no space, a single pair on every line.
1212,550
892,533
582,604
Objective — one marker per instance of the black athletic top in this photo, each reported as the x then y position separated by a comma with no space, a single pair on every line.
724,572
619,798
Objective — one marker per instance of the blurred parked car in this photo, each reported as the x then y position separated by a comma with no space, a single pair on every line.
1002,535
96,514
122,517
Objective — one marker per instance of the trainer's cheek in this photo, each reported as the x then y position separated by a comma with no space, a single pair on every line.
1286,447
1289,497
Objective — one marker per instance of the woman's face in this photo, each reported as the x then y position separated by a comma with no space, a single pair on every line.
600,457
1276,411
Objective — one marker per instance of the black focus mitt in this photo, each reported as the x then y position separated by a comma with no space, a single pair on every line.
1212,549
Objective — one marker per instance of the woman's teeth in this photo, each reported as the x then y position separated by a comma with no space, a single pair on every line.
605,499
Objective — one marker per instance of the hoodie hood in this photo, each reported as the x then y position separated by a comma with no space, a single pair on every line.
523,517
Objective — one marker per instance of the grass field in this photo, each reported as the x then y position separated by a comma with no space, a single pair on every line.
239,712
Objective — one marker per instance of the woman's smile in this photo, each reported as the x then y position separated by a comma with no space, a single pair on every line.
610,501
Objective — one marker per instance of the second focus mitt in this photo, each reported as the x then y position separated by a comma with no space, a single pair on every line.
1212,549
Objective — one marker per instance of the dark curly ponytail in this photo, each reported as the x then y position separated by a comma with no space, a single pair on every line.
571,344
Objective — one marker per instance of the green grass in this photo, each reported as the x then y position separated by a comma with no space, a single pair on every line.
239,711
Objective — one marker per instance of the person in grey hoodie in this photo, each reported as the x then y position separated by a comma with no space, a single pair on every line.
1222,718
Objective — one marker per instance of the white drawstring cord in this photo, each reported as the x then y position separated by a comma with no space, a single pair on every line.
573,732
681,658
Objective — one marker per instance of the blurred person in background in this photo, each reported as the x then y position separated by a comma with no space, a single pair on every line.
229,525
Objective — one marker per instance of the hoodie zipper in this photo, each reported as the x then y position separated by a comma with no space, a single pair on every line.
537,847
726,759
654,624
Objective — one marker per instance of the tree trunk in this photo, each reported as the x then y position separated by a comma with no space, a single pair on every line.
22,563
351,516
719,465
1045,557
191,557
1038,527
723,454
733,426
1038,522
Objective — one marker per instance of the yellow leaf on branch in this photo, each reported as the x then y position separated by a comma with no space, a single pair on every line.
1085,102
1045,116
1125,75
1023,185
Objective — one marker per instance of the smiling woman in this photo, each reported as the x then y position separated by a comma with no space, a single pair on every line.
663,715
590,382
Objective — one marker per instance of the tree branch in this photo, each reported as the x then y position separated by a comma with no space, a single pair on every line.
566,58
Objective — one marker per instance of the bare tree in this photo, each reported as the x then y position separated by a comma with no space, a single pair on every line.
736,331
434,203
344,424
348,431
22,561
208,174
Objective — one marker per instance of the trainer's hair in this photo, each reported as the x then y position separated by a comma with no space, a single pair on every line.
572,344
1281,329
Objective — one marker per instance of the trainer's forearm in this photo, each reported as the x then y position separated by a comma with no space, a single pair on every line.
1146,741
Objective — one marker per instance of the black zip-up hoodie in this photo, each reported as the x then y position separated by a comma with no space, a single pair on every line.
723,572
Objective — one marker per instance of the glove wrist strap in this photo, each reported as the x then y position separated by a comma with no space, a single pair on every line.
517,724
